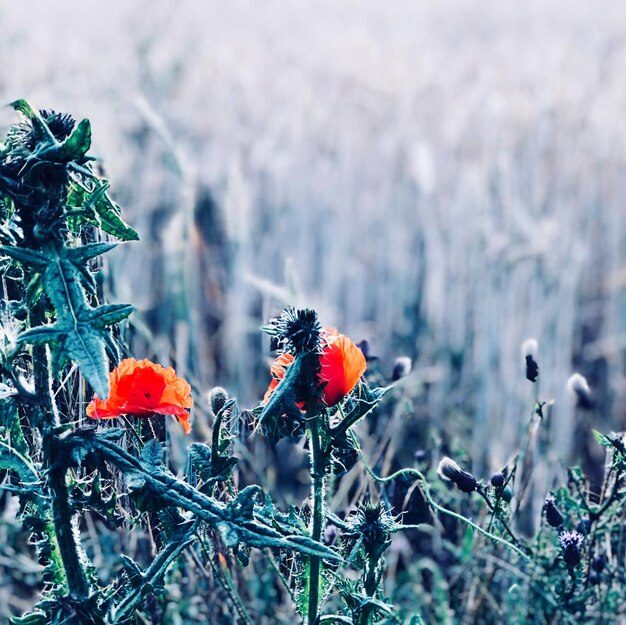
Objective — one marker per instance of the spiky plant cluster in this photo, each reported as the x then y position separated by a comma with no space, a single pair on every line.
37,161
370,526
296,331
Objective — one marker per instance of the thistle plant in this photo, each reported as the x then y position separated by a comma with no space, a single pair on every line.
60,339
82,437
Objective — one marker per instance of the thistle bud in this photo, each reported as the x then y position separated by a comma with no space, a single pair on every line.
218,397
450,471
571,543
371,524
529,353
401,368
553,514
578,387
497,480
297,330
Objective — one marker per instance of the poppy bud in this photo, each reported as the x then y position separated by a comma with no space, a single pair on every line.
450,471
578,387
218,397
497,480
401,368
529,353
553,514
571,543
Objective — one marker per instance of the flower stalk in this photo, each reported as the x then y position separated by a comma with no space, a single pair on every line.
78,586
317,493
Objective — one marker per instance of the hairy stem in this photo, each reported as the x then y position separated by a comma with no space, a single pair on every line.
317,491
77,583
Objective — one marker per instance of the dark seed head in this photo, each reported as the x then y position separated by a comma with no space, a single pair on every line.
497,479
532,369
421,455
372,524
554,517
218,397
529,352
450,471
364,346
578,387
571,543
401,368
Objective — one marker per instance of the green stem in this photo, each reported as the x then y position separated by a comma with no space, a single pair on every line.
419,476
154,573
317,486
46,420
370,586
77,583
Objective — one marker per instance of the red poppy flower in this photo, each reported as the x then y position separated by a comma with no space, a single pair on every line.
143,388
342,364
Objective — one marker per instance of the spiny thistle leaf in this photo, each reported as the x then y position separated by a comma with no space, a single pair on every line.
12,460
97,208
109,314
43,334
257,532
132,570
34,618
75,146
283,399
80,255
29,257
152,455
42,132
200,458
79,331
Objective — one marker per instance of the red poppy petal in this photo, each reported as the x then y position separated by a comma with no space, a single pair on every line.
342,364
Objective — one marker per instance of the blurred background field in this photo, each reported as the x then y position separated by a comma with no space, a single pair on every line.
442,179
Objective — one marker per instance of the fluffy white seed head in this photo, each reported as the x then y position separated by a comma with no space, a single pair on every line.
529,348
